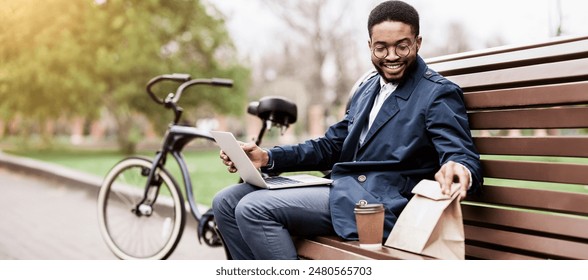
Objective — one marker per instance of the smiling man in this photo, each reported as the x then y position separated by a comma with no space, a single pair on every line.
403,125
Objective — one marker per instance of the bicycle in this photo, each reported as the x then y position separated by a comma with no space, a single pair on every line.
141,211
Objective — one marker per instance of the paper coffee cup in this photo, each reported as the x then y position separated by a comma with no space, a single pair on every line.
369,219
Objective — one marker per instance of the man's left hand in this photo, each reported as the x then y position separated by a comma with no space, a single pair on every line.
452,172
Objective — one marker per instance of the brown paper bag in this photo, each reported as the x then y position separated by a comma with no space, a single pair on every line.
431,224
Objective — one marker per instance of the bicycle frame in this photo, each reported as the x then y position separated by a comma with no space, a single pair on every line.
175,139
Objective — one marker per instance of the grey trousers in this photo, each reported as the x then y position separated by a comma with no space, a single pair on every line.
258,223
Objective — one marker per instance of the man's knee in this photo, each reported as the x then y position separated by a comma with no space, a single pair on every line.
218,201
221,203
250,208
226,197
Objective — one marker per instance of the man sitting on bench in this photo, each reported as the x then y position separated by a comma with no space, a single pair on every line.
403,125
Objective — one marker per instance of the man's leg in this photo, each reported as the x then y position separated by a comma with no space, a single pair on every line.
223,207
266,219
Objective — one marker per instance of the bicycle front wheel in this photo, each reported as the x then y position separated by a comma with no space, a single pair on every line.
147,234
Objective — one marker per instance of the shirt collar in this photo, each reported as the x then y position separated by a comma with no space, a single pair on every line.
382,82
389,86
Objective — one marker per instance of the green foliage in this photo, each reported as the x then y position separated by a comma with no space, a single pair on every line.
64,58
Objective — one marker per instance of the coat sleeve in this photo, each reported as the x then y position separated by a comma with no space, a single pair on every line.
448,128
321,153
317,154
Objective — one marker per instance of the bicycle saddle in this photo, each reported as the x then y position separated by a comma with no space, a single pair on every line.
278,110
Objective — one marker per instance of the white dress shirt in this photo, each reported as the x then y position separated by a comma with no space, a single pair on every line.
386,90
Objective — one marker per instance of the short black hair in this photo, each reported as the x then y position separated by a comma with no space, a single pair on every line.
394,11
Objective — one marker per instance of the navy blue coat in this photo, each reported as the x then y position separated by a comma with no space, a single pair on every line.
419,128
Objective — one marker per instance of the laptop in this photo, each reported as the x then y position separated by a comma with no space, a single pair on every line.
251,175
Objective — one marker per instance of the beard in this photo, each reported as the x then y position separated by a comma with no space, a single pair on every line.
394,71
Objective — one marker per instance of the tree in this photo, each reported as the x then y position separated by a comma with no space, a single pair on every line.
320,39
77,57
456,40
38,54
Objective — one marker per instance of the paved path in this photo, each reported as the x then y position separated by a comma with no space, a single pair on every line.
49,219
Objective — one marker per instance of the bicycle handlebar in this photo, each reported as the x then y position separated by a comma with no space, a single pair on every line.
177,77
212,82
222,82
187,82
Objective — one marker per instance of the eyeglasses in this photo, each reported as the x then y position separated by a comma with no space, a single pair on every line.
401,50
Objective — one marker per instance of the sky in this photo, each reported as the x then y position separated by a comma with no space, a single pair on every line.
255,29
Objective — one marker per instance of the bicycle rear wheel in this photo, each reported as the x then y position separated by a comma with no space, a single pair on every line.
152,233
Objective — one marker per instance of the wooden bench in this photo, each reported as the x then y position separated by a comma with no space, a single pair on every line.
528,113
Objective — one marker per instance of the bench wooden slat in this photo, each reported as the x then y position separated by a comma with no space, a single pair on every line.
510,56
559,146
311,249
547,200
540,245
568,226
567,94
566,173
331,247
541,74
576,117
476,252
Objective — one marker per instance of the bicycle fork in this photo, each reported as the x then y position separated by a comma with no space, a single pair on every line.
154,181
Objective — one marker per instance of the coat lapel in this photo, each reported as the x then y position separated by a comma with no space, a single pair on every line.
387,112
366,102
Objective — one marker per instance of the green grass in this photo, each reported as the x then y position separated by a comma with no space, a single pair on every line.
538,159
537,185
208,174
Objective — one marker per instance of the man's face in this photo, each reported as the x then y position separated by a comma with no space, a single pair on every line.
391,36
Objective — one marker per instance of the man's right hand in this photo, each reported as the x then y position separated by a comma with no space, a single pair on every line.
257,155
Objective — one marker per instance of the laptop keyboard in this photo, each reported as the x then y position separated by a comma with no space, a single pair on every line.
278,180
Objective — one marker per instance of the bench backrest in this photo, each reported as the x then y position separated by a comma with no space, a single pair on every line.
529,116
